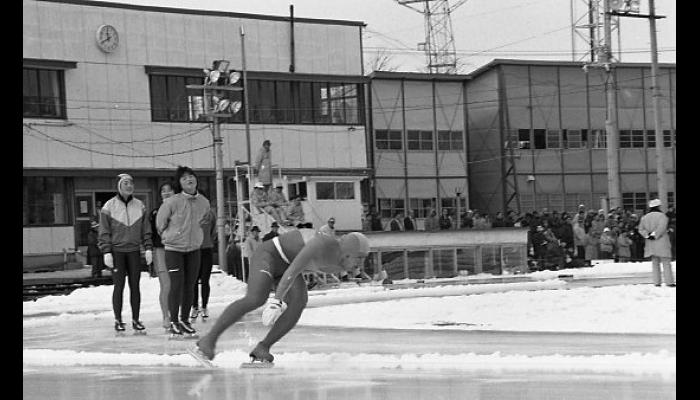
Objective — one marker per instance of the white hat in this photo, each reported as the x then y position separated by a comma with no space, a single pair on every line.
654,203
259,185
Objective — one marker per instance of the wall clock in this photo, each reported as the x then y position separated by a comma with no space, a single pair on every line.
107,38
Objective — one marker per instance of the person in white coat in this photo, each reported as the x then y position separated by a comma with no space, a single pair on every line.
657,245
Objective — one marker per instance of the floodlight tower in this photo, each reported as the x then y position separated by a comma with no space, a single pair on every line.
589,28
439,44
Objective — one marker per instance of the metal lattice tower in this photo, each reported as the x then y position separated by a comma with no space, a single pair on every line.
589,28
439,44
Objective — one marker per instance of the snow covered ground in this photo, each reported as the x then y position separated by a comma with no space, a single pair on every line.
545,304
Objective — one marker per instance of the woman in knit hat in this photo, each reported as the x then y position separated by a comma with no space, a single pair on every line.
123,230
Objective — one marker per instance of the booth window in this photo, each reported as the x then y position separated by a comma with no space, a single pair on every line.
44,201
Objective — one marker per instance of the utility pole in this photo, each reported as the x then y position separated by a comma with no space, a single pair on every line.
633,11
613,155
217,82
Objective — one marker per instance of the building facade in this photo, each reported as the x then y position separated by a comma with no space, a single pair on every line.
104,92
537,129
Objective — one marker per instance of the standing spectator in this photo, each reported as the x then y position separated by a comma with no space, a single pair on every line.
179,223
432,223
274,232
93,251
252,242
539,244
295,212
479,221
579,238
468,219
409,223
499,221
565,232
623,247
671,214
123,230
395,224
279,203
206,263
592,240
637,248
554,254
233,258
657,245
329,228
260,199
445,220
166,190
375,221
263,165
607,244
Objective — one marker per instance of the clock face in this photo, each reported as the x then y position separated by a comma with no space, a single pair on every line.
107,38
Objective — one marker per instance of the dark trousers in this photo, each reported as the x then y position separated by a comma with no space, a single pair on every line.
183,269
126,264
206,263
97,265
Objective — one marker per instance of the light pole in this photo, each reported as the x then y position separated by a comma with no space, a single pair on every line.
218,83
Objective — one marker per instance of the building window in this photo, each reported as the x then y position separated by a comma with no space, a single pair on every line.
573,138
43,93
335,190
420,140
45,201
523,138
631,138
553,139
297,189
598,139
668,140
450,140
634,201
651,138
450,204
422,207
540,138
270,101
654,195
389,207
388,139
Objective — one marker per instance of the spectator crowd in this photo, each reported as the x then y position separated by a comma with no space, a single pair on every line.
555,239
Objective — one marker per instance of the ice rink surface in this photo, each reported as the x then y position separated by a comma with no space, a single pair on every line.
78,356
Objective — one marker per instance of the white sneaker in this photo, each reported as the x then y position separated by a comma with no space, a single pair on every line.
205,314
195,313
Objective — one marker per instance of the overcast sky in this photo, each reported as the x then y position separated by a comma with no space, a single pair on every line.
483,29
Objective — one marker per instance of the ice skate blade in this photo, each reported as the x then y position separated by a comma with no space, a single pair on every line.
174,337
257,364
191,336
201,358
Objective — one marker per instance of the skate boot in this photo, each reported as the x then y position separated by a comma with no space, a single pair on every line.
261,353
174,331
201,356
119,328
204,313
187,330
194,314
139,329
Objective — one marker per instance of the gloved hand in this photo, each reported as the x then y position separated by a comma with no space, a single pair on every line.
652,236
109,262
149,257
273,309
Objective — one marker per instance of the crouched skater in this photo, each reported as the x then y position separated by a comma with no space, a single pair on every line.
281,261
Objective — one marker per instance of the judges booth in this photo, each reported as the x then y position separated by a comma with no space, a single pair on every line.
448,253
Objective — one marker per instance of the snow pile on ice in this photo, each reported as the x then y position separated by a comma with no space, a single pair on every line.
661,362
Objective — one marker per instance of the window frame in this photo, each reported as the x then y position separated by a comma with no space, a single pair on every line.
60,85
336,191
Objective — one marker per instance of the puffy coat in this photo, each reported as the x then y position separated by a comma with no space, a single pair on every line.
123,226
657,222
179,221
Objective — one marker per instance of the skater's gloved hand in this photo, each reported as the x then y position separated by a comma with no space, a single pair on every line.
652,236
273,309
109,263
149,257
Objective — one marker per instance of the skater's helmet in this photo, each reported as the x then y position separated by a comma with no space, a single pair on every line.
355,244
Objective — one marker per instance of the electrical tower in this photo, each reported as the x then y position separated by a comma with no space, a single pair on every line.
589,28
439,44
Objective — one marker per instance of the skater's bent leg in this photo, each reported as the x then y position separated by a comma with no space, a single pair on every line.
259,285
133,260
119,279
296,300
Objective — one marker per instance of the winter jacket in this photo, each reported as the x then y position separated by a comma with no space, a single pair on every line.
123,226
579,235
395,225
623,245
180,220
657,222
607,242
